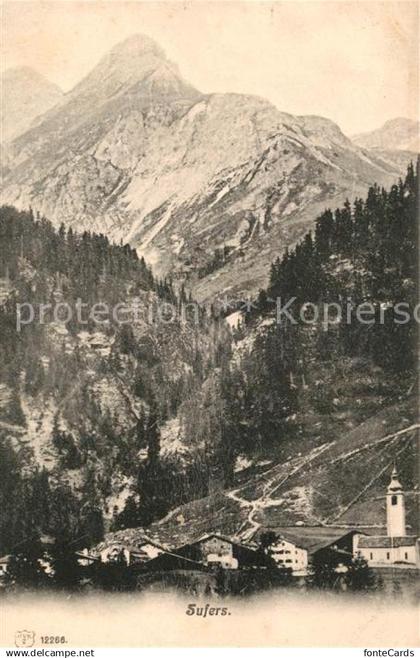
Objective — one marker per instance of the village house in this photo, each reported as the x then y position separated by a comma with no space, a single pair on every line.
289,555
4,561
212,550
115,553
396,547
300,547
141,552
219,550
47,543
85,558
169,561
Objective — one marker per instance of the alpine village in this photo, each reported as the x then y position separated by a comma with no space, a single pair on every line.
211,442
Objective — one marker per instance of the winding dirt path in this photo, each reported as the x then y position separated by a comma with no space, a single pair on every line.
250,525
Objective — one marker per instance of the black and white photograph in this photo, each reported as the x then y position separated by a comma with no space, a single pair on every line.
209,321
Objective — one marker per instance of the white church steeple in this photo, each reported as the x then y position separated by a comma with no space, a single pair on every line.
395,507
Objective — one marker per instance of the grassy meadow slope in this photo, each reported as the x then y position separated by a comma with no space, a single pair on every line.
341,482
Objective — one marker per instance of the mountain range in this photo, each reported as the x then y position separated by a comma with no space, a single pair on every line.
190,427
26,94
400,134
209,188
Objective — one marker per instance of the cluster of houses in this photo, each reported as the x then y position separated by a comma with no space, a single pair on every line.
297,548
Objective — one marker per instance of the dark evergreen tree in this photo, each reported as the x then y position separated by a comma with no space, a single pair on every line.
66,571
360,577
25,569
15,412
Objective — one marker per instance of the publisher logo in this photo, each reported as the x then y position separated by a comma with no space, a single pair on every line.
24,638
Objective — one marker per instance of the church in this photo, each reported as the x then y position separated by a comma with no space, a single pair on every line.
396,547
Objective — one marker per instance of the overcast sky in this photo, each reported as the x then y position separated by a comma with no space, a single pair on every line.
354,62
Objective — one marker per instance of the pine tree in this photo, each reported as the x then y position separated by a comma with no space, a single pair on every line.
129,516
25,570
15,413
92,523
360,577
65,566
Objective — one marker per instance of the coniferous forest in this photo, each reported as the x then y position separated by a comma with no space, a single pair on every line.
109,426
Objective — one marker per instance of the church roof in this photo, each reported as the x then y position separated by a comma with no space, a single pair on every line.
386,542
395,484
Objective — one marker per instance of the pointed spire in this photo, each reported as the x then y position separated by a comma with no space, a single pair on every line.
394,485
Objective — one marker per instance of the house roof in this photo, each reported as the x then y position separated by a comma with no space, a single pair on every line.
172,559
5,559
184,551
222,537
199,540
312,538
87,556
237,546
386,542
132,548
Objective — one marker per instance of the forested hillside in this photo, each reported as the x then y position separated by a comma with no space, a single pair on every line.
292,373
89,410
297,390
114,425
316,414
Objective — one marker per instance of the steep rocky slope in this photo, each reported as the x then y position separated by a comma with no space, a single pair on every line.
99,409
339,483
25,95
77,396
319,440
396,134
208,187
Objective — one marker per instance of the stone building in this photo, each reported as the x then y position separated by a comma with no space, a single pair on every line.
396,547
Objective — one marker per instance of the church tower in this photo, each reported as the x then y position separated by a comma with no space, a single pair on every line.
395,508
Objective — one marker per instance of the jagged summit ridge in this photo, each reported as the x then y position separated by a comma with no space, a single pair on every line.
400,133
321,127
136,152
26,94
136,60
136,45
22,73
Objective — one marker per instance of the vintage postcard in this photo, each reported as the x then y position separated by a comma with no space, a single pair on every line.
209,317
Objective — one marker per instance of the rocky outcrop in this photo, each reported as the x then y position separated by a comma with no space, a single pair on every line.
209,188
25,95
397,134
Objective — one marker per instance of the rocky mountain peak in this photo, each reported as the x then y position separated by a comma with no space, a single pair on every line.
26,94
317,127
399,123
137,45
136,152
400,133
130,62
18,72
